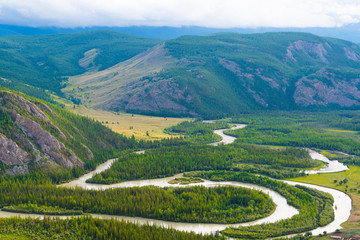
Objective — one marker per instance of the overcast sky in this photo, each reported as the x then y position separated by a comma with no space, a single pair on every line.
206,13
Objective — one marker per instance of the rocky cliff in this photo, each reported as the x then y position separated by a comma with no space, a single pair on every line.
24,142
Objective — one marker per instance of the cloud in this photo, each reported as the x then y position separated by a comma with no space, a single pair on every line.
207,13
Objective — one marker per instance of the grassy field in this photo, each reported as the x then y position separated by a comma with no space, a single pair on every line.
352,187
142,127
340,131
13,236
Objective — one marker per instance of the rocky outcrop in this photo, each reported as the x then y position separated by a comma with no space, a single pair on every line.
324,88
311,49
249,76
13,156
154,94
17,102
25,141
350,54
10,153
88,60
48,143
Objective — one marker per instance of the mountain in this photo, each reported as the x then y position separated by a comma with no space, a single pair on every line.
36,136
225,74
348,32
33,63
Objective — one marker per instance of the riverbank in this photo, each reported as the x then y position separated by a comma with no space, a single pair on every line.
336,181
282,211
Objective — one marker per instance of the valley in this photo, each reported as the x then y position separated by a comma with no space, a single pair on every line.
340,214
139,126
114,128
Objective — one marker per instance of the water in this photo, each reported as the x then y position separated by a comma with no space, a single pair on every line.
330,167
342,202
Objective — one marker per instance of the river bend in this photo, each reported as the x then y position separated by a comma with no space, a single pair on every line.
342,202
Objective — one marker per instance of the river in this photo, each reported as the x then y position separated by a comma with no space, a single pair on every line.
342,202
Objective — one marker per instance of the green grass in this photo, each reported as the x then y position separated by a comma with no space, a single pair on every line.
328,180
186,180
14,237
341,131
139,126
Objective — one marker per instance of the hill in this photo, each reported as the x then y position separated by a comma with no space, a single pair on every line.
33,63
36,136
226,74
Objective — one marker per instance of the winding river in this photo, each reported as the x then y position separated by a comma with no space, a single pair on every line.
342,202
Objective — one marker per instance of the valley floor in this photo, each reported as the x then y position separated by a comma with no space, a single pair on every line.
352,188
139,126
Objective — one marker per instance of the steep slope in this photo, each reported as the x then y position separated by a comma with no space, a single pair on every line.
44,61
36,136
226,74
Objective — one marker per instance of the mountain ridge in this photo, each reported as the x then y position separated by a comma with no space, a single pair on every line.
224,74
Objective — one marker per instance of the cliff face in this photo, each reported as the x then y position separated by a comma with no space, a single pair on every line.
23,140
324,88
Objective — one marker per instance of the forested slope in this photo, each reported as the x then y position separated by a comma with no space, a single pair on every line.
33,63
226,74
36,136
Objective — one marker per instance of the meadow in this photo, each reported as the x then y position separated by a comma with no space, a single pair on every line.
139,126
336,180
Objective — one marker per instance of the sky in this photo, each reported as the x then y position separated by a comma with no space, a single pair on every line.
176,13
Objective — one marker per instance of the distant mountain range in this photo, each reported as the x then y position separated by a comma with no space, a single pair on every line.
208,76
349,32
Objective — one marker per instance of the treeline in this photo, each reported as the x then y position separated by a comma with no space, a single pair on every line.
273,171
296,136
191,204
198,131
315,207
168,161
350,161
44,210
88,228
301,129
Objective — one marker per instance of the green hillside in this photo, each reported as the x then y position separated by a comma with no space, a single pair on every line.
260,71
226,74
36,136
44,61
208,76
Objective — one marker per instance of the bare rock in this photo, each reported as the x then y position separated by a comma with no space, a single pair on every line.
272,83
16,170
17,102
153,94
159,96
11,153
312,49
45,107
48,143
290,56
88,60
350,54
324,88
